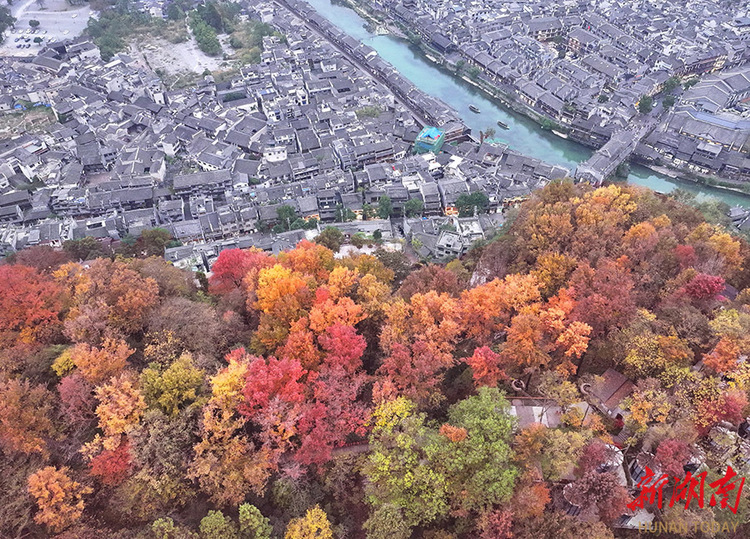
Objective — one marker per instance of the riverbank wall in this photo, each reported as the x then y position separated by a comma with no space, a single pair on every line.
714,183
361,11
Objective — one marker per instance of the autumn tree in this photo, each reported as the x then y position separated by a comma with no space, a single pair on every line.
171,280
496,524
552,270
16,507
528,445
107,291
553,387
649,354
120,408
30,305
112,467
714,406
58,497
333,411
309,259
600,493
487,309
595,456
704,287
671,456
431,277
343,346
546,335
327,312
561,449
546,223
77,400
413,372
42,258
429,318
368,265
283,296
233,266
723,358
227,464
603,295
160,448
648,403
302,344
177,318
25,421
99,364
174,387
486,367
342,282
332,416
314,525
419,338
266,379
718,251
601,215
732,324
530,498
274,398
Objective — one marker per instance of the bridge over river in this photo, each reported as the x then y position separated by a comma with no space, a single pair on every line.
604,162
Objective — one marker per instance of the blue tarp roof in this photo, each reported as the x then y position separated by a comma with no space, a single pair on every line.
431,132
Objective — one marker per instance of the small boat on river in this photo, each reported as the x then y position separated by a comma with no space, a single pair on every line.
502,124
474,108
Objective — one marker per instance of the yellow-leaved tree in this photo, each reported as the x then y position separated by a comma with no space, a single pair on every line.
121,406
58,497
314,525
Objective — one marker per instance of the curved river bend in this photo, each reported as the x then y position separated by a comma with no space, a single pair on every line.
524,135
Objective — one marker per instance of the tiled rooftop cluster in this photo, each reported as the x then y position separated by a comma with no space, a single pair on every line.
306,127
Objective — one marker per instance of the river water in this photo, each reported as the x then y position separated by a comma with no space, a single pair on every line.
524,135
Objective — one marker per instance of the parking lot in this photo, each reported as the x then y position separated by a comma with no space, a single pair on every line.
58,21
